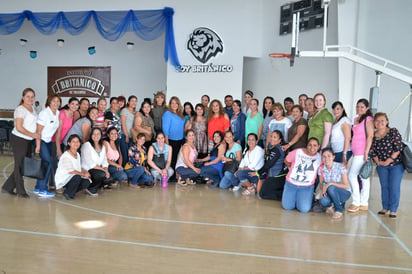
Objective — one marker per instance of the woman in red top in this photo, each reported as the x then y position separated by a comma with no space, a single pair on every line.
218,120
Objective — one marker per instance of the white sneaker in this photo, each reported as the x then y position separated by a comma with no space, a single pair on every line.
91,193
46,193
236,188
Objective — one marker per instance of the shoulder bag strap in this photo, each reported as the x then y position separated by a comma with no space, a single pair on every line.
321,173
157,149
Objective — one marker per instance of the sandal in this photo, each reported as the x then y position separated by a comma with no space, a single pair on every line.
181,183
392,215
353,208
382,212
191,182
330,210
337,215
249,191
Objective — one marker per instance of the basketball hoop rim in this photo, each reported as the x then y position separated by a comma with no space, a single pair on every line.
279,55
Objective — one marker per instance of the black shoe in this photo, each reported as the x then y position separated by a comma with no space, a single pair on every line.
318,208
92,193
199,180
24,195
149,184
7,192
67,196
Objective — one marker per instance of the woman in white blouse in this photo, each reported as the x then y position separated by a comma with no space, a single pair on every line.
24,131
94,160
341,134
69,174
47,125
252,161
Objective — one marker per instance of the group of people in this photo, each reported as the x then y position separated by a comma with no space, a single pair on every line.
235,146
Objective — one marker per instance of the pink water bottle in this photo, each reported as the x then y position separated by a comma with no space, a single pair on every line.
164,181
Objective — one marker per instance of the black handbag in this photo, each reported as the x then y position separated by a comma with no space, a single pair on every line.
159,159
231,166
34,168
406,156
272,188
366,170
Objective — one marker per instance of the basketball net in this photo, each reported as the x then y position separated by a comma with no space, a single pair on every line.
279,60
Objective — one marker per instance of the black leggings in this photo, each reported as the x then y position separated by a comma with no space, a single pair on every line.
75,184
98,177
21,147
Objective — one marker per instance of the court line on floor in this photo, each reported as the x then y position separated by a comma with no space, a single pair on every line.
213,224
4,169
220,224
396,238
205,250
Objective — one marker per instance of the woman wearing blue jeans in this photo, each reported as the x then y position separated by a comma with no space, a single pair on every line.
334,183
213,165
386,148
303,164
233,153
136,166
252,161
47,125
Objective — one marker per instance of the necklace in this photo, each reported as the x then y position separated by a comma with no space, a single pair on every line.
380,135
73,154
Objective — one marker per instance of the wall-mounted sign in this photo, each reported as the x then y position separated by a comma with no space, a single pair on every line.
205,44
79,81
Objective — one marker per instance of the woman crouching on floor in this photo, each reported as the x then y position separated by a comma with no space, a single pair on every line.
334,183
303,164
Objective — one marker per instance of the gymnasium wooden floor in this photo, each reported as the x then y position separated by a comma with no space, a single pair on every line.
196,229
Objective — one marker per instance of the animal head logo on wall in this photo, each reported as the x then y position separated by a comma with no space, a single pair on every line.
204,44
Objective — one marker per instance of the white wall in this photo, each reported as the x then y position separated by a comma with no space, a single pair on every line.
274,77
234,21
141,71
238,25
382,28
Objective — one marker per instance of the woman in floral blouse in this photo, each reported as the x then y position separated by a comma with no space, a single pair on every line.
386,148
136,166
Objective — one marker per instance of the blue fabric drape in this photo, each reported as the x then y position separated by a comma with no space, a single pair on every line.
148,25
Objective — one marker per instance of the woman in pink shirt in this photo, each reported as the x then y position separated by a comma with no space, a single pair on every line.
65,123
361,143
114,158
